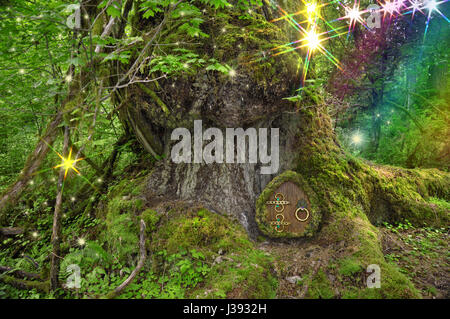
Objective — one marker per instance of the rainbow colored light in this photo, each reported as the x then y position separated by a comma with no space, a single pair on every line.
312,39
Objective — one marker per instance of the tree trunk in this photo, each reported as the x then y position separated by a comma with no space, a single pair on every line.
350,195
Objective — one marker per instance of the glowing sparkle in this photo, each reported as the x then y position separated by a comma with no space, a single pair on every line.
72,199
357,138
232,73
312,40
35,234
311,8
22,71
68,163
81,241
431,5
354,14
69,78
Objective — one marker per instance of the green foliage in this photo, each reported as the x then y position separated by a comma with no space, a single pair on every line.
410,126
87,258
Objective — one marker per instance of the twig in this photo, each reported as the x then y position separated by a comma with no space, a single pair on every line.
142,253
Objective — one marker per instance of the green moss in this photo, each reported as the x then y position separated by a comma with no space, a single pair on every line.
440,202
238,270
246,275
121,234
201,228
26,284
320,287
151,219
349,266
127,187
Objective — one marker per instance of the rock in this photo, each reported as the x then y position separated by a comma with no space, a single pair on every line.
294,279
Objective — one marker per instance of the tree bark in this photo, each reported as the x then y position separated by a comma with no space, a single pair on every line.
56,229
32,164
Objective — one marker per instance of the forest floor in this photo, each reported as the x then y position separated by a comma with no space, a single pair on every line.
420,253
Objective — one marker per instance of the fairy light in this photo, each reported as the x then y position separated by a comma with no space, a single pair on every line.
354,14
311,8
35,234
415,5
69,78
232,73
68,163
81,241
22,71
312,40
357,138
431,5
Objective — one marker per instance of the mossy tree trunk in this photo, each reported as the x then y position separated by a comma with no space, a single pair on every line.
354,195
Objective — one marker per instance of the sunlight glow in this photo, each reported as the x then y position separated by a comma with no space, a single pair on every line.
357,138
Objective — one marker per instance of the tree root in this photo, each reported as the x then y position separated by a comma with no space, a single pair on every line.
8,276
19,273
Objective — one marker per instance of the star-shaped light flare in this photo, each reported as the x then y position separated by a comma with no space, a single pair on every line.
68,163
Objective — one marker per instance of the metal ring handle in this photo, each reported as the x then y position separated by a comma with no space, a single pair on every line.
302,209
